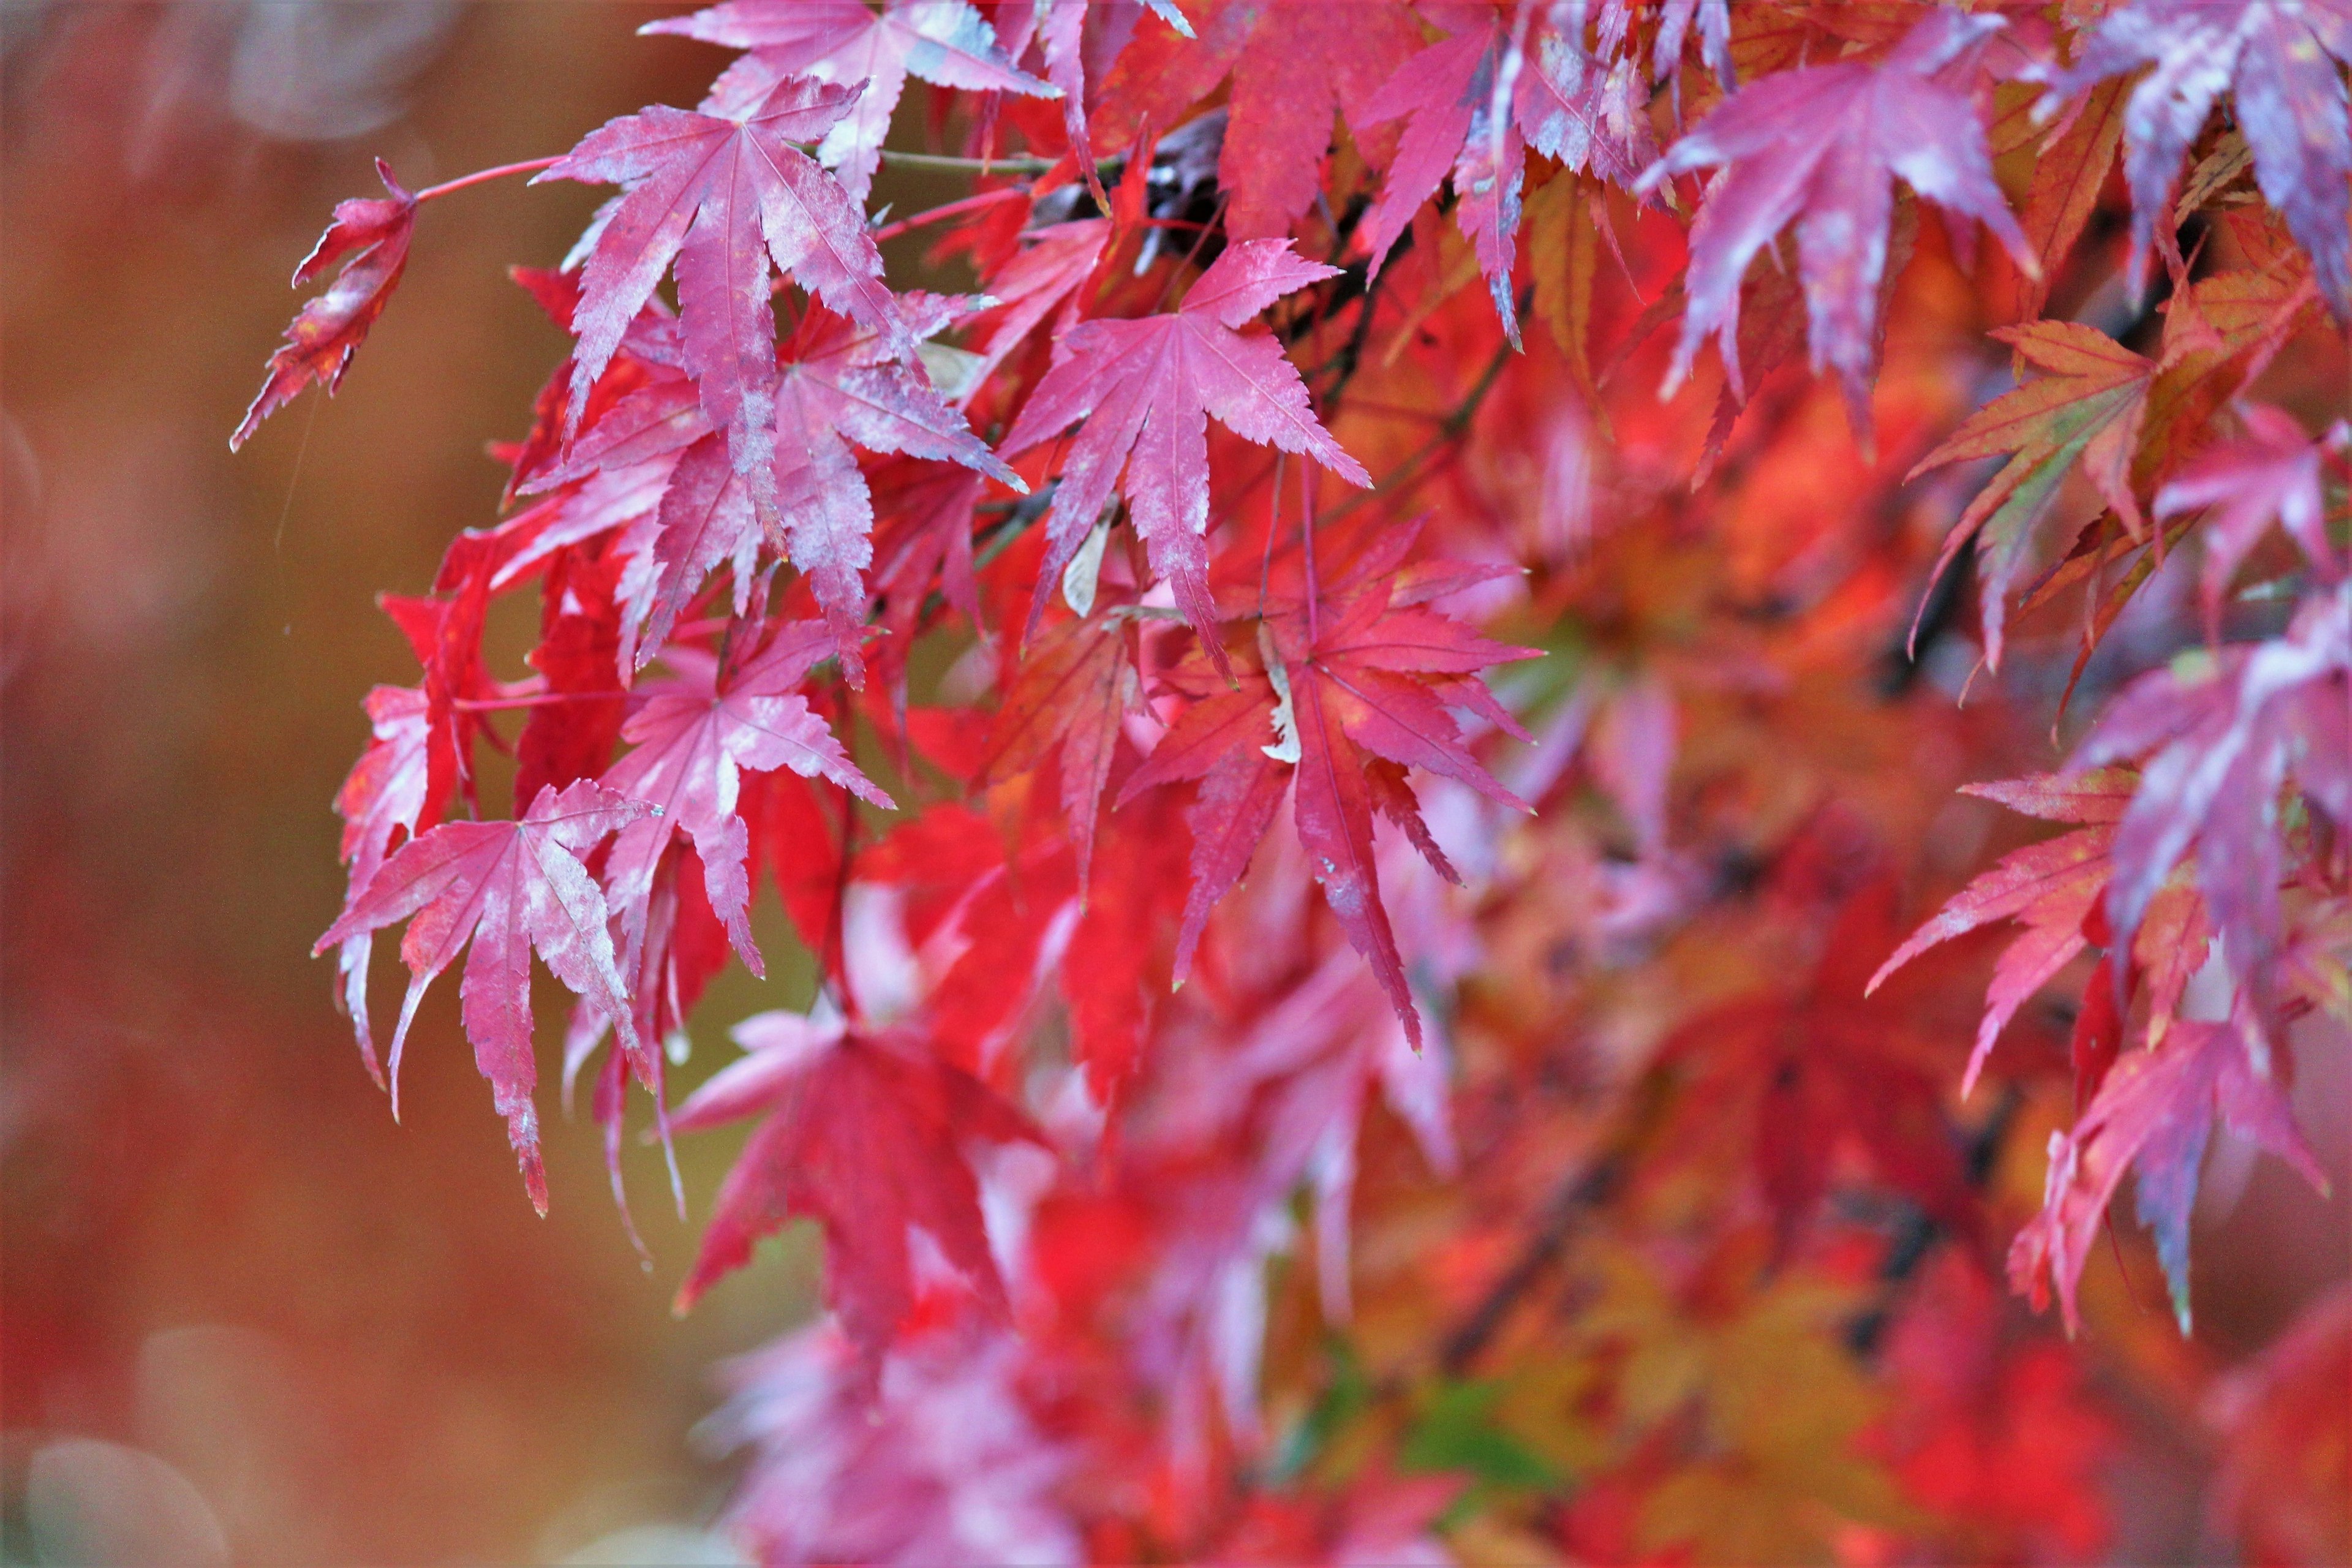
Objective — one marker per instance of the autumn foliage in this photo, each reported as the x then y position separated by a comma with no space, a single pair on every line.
1357,713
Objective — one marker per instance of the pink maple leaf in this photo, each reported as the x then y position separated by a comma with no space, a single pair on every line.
506,888
866,1134
846,42
1144,389
1821,147
693,738
369,236
722,196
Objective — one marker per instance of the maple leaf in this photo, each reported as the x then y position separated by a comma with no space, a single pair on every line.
386,795
2050,888
1144,389
1293,63
2056,890
1820,1065
1051,265
2086,407
845,42
2123,418
369,236
506,888
866,1135
2269,473
1359,682
1822,146
842,385
1075,687
2154,1115
693,736
722,196
1082,40
1475,102
1674,19
578,655
847,1470
2281,59
2221,736
838,384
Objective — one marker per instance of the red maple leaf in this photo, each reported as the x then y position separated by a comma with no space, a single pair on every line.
386,795
1075,687
1082,40
569,736
838,385
867,1133
507,888
2269,474
2154,1114
1822,146
693,736
1340,686
1144,390
1476,102
2281,60
2056,890
369,236
1293,63
845,41
2222,736
1048,271
723,197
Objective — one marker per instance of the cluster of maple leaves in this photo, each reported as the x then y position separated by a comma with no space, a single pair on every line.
1205,897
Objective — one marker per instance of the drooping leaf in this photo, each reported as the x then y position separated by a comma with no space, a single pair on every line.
1293,64
506,888
2269,474
848,43
1821,147
723,197
1144,390
2282,61
1476,101
1364,680
2086,407
2222,737
691,737
369,236
2154,1115
866,1135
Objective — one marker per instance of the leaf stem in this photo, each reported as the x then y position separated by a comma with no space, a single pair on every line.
951,209
483,176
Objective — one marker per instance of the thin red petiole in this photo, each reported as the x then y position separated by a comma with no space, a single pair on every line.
538,700
953,209
484,176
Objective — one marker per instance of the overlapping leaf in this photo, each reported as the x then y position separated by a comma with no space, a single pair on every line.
1143,390
1343,693
692,737
2283,61
1293,63
868,1135
1821,147
723,197
1475,102
848,43
2155,1116
507,888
